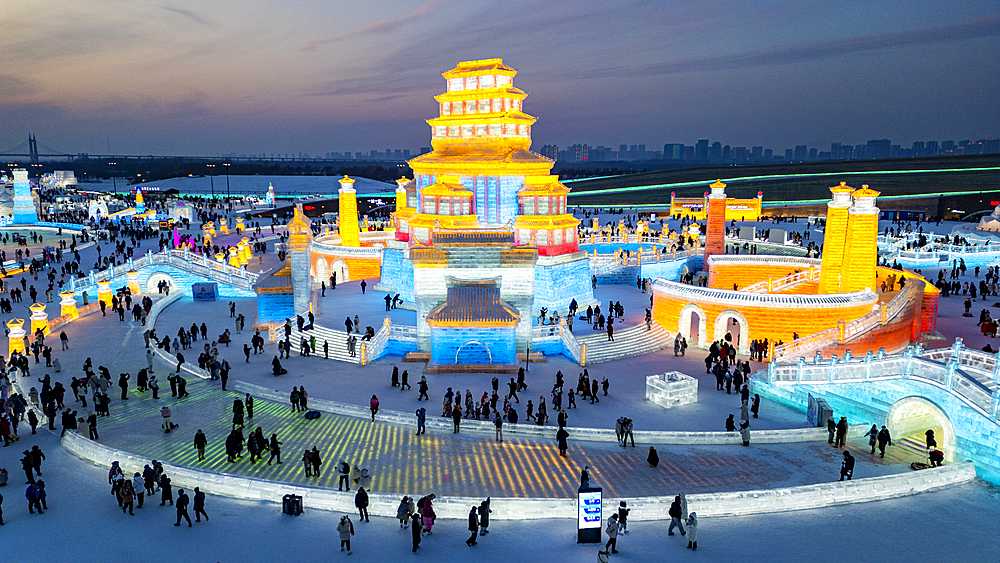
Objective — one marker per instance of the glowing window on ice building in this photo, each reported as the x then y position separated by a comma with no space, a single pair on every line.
487,81
497,105
470,106
495,130
456,84
481,130
445,108
440,131
466,130
503,80
484,106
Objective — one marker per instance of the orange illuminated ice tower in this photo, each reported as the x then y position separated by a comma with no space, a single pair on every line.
835,240
715,231
861,247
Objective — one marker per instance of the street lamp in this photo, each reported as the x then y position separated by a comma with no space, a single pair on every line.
227,165
113,181
211,171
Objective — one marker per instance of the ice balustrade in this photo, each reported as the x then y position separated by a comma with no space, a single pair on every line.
782,283
375,348
742,298
642,508
852,330
970,375
181,259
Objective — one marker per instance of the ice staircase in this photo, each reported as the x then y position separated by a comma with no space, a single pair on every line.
629,342
336,338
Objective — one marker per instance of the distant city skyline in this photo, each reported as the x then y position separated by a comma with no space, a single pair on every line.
306,76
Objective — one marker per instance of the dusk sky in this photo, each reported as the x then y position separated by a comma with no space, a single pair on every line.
211,77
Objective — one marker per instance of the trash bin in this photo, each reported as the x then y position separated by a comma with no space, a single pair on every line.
291,504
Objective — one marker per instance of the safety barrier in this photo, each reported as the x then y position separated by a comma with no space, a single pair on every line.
736,503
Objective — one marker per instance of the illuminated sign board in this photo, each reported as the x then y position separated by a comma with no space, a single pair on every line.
589,509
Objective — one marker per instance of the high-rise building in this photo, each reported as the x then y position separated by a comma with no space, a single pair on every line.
715,152
801,152
918,148
578,153
768,154
931,148
550,151
756,152
877,148
812,154
673,151
701,149
835,150
947,146
789,155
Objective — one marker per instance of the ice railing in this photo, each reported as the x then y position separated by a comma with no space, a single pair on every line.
777,301
181,259
576,350
782,283
973,377
375,348
851,330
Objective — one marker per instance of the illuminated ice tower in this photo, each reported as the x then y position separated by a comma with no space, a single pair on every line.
481,178
24,203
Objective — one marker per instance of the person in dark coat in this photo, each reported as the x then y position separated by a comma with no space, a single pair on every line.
755,405
884,439
847,467
416,529
199,505
315,460
561,437
473,527
842,432
361,503
731,424
275,449
653,459
166,494
831,429
484,517
182,508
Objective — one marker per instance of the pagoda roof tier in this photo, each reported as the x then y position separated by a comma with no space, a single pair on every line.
506,91
431,221
542,186
447,189
479,67
546,221
466,160
509,116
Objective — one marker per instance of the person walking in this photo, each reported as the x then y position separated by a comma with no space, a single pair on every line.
842,432
872,436
421,419
498,422
484,517
561,436
34,501
692,524
123,384
139,488
343,475
126,497
275,448
361,503
199,505
416,529
200,441
675,517
182,508
884,439
847,466
373,406
473,526
611,529
316,461
346,529
403,512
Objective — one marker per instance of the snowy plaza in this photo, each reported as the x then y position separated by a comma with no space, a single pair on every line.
710,351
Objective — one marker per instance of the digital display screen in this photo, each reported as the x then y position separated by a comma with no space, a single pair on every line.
589,510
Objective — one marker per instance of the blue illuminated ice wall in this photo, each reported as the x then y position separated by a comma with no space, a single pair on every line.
557,285
495,198
478,346
397,274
